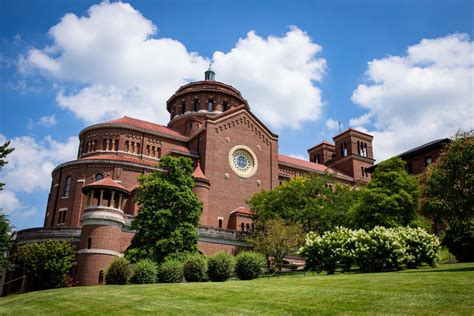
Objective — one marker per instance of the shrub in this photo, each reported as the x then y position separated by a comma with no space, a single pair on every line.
46,264
170,271
220,267
195,268
420,246
329,251
378,249
144,272
459,239
119,272
249,265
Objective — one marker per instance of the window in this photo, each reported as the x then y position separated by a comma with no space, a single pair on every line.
99,176
318,159
89,243
225,106
220,222
101,276
359,152
183,107
247,226
196,105
210,106
333,156
62,216
365,149
428,160
242,226
158,152
148,150
127,145
153,151
67,187
345,149
365,174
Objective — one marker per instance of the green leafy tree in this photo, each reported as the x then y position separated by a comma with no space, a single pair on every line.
390,199
46,264
4,151
308,201
277,239
448,194
169,212
5,227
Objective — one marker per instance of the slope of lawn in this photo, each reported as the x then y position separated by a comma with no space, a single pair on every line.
448,289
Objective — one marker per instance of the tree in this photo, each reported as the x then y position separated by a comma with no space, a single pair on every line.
46,264
277,239
448,194
306,200
5,229
5,226
390,199
4,151
169,212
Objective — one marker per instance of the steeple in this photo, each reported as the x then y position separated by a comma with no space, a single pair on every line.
209,74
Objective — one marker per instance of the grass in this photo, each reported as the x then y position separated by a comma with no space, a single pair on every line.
447,289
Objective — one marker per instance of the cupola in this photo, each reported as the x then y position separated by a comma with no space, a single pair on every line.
210,74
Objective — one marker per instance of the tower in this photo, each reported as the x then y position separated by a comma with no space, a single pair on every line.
201,189
354,154
102,222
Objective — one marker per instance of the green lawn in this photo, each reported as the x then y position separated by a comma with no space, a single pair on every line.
448,289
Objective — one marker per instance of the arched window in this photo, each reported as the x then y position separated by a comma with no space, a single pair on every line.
225,106
99,176
365,150
183,108
210,106
247,226
67,188
89,243
242,226
101,276
196,105
220,222
358,148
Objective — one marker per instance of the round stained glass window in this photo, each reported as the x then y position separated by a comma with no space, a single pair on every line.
243,161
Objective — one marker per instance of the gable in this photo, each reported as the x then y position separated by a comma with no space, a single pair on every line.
241,118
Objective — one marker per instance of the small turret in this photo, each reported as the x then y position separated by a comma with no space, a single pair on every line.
209,74
201,189
102,223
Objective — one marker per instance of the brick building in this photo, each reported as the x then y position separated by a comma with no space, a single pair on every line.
91,201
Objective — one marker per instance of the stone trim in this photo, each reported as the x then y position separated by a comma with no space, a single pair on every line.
96,251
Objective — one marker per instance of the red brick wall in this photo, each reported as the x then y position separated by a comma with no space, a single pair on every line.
229,191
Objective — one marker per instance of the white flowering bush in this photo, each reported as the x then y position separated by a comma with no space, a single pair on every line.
420,246
378,249
375,250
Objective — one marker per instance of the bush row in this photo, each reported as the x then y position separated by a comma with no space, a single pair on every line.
374,250
193,268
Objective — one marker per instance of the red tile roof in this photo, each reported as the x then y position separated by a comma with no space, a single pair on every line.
198,174
311,166
147,126
242,210
105,183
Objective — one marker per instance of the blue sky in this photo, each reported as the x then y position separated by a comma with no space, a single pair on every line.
401,70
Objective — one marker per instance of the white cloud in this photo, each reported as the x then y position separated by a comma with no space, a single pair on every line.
122,69
277,75
421,96
45,121
30,164
8,202
332,125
